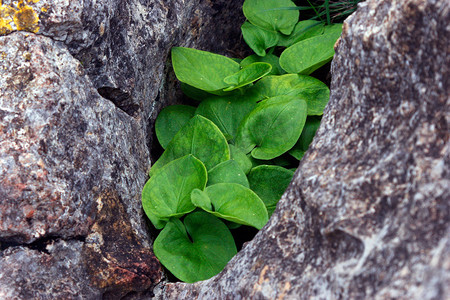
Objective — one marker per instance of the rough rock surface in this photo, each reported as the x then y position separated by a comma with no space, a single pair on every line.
367,215
79,86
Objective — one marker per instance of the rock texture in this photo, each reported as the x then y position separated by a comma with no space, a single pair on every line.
79,89
367,214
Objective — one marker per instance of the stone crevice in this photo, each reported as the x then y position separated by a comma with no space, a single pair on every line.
121,100
40,244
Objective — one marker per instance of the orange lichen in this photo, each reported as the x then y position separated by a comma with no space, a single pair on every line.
23,16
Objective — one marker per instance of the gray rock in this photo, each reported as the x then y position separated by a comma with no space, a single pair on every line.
32,267
367,214
79,86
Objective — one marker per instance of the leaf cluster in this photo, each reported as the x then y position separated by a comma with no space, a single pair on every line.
227,162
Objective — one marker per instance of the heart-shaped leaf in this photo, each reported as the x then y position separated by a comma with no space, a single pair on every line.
313,91
308,55
247,75
170,120
227,172
269,58
269,183
302,31
308,133
258,39
199,137
201,69
167,193
241,158
197,250
232,202
274,15
273,127
226,112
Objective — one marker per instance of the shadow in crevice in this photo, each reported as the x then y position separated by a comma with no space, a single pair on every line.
342,246
120,99
39,244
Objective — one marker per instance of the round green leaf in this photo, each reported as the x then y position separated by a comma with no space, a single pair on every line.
226,112
313,91
170,120
232,202
308,55
197,250
241,158
247,75
258,39
302,145
269,183
199,137
167,193
227,172
274,15
302,31
269,58
201,69
273,127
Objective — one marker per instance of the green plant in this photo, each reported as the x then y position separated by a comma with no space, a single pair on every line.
227,162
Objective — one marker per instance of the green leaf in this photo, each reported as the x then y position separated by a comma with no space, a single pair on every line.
201,69
194,93
269,58
241,158
227,172
333,28
273,15
302,31
284,161
247,75
226,112
308,55
269,183
167,193
315,92
232,202
199,137
258,39
197,250
273,127
308,133
170,120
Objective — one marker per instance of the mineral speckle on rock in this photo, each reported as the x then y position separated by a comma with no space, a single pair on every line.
367,215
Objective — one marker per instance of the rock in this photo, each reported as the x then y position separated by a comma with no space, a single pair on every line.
79,86
367,213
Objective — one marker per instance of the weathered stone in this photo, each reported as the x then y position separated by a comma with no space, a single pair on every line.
367,214
55,272
79,89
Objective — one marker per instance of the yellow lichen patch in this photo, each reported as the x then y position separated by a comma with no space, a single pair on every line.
19,14
27,56
26,18
6,13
